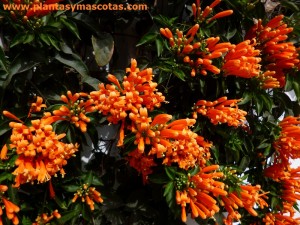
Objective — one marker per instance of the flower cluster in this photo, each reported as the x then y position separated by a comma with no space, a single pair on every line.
89,195
173,142
287,147
247,197
75,109
36,106
199,55
141,163
280,56
40,152
221,111
10,208
200,193
137,90
242,60
288,143
44,218
200,16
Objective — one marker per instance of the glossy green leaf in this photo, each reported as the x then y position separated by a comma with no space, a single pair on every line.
147,38
68,215
71,26
179,73
73,61
171,172
103,46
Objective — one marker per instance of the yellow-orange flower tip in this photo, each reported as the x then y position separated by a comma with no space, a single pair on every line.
11,116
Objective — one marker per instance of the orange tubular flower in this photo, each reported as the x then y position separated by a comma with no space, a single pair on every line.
10,208
194,54
142,163
200,193
247,198
36,106
200,15
75,110
44,218
288,143
40,152
137,90
280,56
280,219
222,111
243,60
89,195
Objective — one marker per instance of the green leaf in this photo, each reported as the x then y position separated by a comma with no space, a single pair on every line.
258,104
290,5
5,176
26,221
159,46
267,101
247,96
244,163
54,42
91,81
147,38
44,37
296,87
66,216
29,38
194,170
62,204
73,61
159,178
96,181
71,26
18,39
71,188
171,172
169,193
180,74
103,47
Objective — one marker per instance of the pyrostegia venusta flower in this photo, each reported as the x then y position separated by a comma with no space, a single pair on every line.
243,60
89,195
75,109
200,15
44,218
40,152
36,106
174,142
10,208
268,80
198,55
248,197
280,56
142,163
280,219
136,90
200,193
288,143
221,111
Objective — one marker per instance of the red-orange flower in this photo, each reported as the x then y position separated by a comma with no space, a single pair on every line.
75,109
248,197
287,145
243,60
89,195
142,163
44,218
221,111
201,193
280,56
11,209
40,152
137,90
36,106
